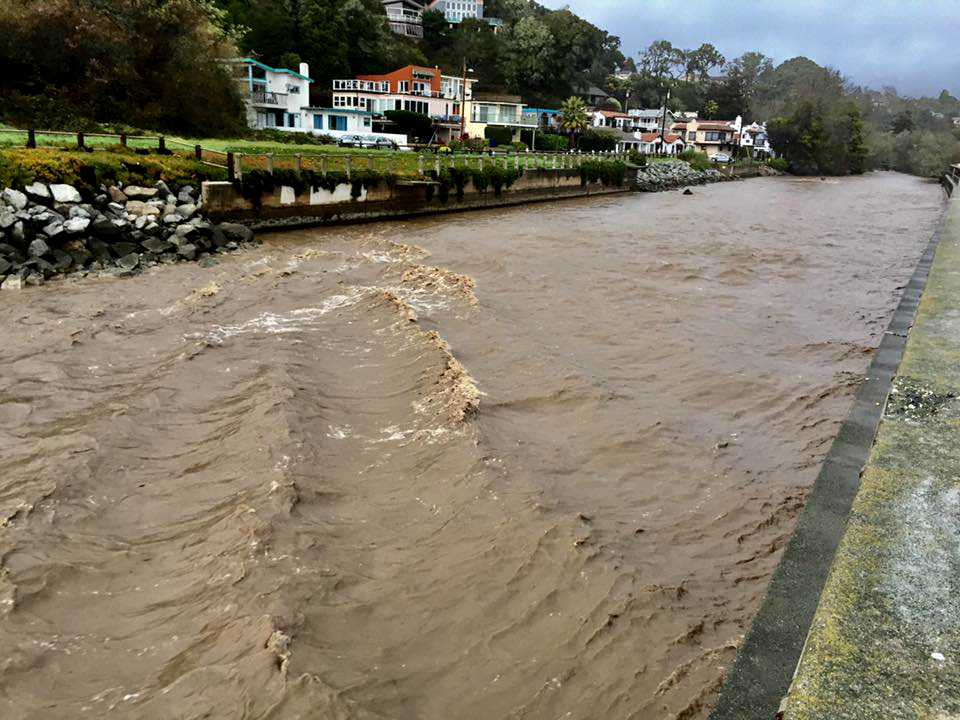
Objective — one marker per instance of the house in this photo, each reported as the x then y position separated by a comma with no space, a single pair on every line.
456,11
273,97
627,141
753,138
651,120
508,111
405,17
652,145
592,95
711,136
417,89
612,119
546,117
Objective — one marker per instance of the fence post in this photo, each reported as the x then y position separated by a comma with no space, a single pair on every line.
123,139
516,163
162,143
240,166
554,162
323,165
31,138
198,152
270,163
298,162
420,165
231,168
346,164
80,140
436,165
370,162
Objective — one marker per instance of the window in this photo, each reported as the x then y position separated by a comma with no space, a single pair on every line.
404,86
691,136
366,122
337,122
293,89
715,136
318,122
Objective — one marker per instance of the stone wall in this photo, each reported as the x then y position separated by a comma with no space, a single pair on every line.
283,207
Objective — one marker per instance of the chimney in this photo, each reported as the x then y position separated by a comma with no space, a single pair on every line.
304,69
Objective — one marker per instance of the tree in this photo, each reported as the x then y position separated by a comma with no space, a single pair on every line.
903,122
527,54
573,116
736,94
711,110
856,145
698,63
661,61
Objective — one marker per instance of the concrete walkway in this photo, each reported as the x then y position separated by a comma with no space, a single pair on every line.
885,639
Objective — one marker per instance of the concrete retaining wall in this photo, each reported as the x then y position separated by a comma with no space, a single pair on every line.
283,207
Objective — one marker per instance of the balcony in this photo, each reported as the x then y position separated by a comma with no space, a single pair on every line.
446,119
371,86
262,97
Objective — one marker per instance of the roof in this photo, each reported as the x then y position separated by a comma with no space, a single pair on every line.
492,97
591,90
339,110
715,125
613,114
651,113
653,136
285,71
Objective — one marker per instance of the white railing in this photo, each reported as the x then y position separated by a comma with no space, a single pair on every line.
363,85
414,16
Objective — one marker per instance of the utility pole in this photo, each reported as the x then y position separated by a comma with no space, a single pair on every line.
463,100
663,124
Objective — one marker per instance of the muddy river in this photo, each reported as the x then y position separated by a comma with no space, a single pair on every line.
536,463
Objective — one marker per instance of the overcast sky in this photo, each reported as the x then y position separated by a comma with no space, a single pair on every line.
913,45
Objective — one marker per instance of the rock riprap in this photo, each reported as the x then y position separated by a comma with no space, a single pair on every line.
51,230
674,174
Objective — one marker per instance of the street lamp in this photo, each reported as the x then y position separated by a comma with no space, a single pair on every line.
463,98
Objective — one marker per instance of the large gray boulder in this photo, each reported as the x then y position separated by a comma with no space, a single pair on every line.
138,207
186,211
38,247
7,219
15,199
117,195
135,192
63,193
38,192
76,225
236,232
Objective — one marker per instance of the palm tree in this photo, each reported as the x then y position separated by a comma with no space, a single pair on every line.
573,116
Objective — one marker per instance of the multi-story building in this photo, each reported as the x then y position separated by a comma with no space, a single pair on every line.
507,111
753,138
417,89
456,11
651,120
274,97
405,17
711,136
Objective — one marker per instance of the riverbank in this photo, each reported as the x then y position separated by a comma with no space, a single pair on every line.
859,591
891,605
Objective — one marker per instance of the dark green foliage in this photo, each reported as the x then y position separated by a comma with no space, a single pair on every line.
547,142
903,122
290,138
491,176
697,160
410,123
594,140
779,164
638,158
609,172
498,135
72,63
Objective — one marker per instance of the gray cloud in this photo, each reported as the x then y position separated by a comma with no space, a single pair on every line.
913,45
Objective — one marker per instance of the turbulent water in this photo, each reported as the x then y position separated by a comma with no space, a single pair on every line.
530,463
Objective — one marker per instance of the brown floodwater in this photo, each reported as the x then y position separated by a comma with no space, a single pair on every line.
530,463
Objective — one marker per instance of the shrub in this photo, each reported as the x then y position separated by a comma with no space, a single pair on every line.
290,138
498,135
611,173
780,164
519,146
469,145
638,158
548,142
411,123
88,170
697,160
597,140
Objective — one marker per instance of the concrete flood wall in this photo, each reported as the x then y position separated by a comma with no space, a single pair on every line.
283,207
861,618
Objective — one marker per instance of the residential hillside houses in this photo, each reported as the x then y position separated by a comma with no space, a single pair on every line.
456,11
405,17
279,98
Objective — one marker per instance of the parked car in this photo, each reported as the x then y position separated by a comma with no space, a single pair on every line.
721,158
350,141
383,143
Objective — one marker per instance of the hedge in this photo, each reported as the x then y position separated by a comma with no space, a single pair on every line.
89,170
